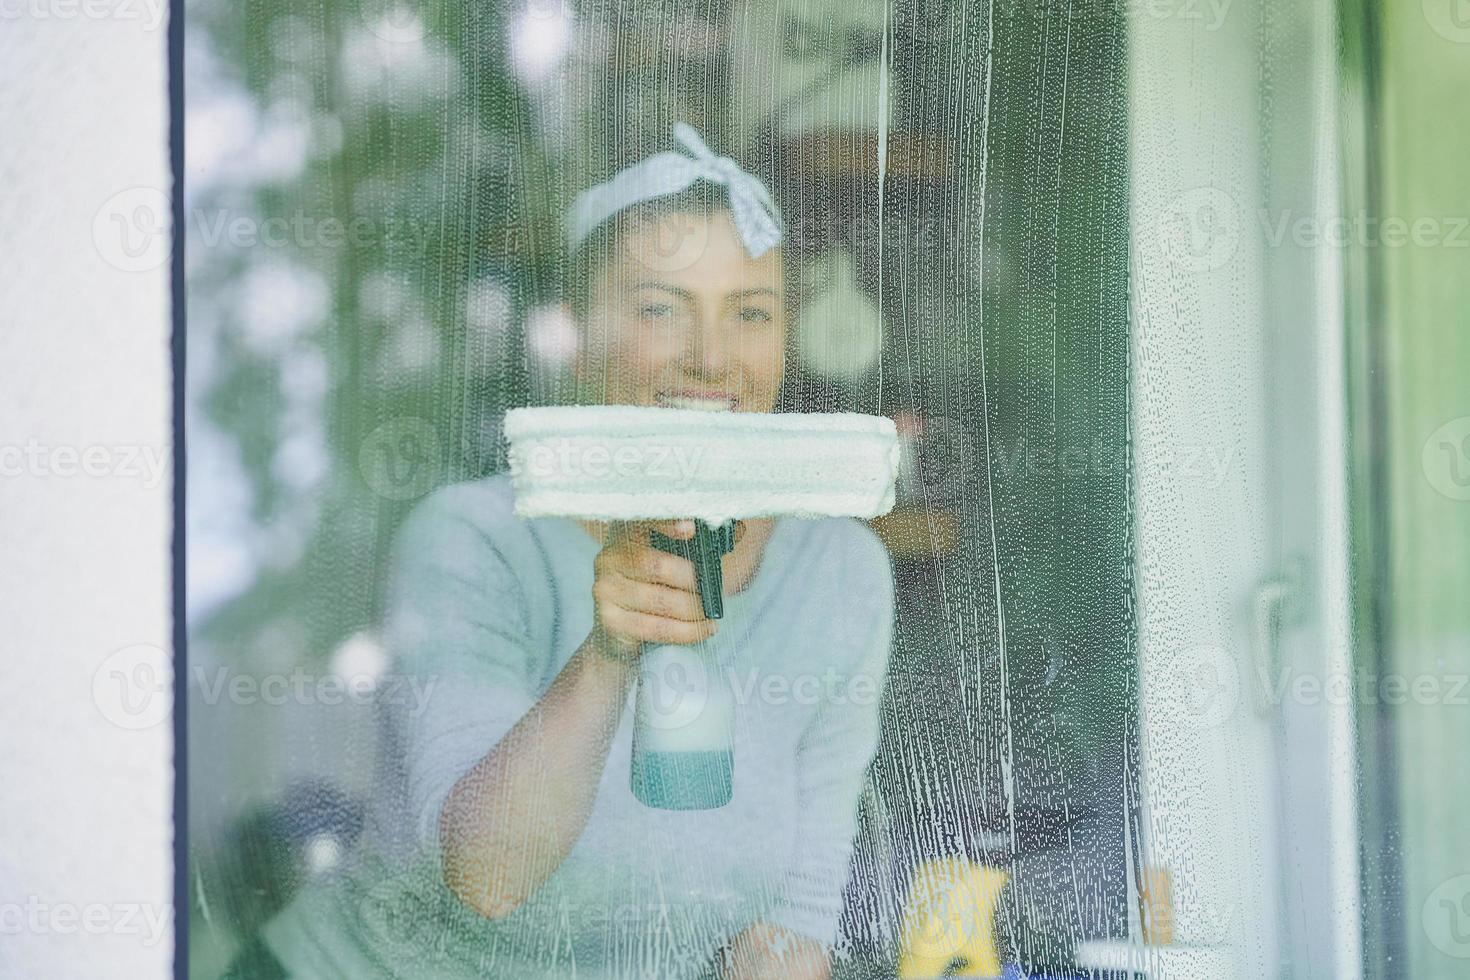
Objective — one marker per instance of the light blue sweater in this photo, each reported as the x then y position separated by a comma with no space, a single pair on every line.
489,607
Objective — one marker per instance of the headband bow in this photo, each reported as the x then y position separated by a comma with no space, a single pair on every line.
754,212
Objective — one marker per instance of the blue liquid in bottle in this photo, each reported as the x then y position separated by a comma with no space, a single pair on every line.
683,734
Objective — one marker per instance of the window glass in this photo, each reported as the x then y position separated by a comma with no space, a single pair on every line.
1036,714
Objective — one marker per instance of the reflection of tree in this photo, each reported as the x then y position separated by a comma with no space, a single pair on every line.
360,269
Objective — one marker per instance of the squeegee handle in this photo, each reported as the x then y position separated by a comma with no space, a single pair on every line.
705,549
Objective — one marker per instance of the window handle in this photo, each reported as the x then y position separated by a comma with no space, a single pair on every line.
1277,602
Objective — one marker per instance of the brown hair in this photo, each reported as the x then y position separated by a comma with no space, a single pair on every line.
599,247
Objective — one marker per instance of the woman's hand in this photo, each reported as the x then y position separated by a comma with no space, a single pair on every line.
643,595
764,950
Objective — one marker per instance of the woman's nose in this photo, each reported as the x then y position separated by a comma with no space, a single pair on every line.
711,341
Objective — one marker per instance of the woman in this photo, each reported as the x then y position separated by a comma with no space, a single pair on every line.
510,843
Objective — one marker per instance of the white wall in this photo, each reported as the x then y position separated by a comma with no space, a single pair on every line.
85,779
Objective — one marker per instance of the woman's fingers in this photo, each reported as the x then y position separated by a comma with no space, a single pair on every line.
637,559
652,598
643,594
648,564
654,629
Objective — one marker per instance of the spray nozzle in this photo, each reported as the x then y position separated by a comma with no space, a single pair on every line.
705,549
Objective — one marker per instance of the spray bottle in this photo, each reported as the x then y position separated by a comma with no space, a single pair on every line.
683,733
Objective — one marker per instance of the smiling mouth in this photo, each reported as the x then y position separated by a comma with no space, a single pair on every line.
697,401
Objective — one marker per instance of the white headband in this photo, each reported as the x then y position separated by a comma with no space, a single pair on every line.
751,206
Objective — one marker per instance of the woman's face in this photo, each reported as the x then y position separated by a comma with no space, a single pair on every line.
682,316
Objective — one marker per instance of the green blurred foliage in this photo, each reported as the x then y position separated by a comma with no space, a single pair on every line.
422,150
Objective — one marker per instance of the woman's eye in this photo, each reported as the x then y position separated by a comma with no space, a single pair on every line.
754,314
656,311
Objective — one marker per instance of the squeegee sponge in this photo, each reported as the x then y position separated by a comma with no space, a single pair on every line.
623,462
